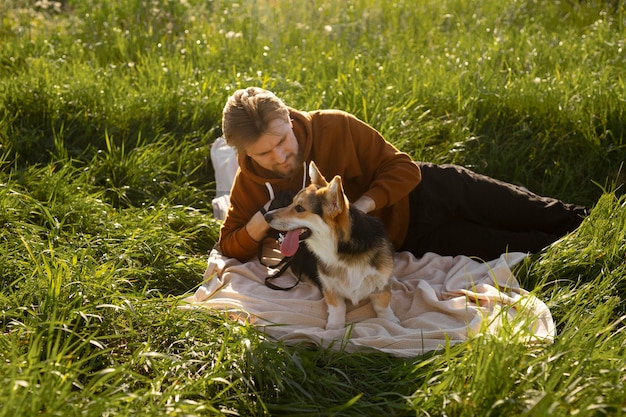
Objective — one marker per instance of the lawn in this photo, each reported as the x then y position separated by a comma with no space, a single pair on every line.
107,112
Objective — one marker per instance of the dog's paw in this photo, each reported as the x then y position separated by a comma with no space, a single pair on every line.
335,325
389,316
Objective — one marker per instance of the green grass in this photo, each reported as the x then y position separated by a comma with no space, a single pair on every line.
107,112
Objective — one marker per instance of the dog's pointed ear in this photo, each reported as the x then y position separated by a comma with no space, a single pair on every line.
316,176
335,198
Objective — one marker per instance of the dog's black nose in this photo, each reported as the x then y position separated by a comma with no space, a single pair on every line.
268,216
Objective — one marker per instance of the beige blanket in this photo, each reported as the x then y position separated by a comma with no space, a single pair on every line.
439,300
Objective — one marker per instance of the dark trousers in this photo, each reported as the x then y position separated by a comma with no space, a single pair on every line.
455,211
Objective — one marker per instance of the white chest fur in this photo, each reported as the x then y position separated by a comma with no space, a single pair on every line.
349,278
355,284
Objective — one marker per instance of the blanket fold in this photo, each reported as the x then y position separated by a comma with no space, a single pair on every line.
439,300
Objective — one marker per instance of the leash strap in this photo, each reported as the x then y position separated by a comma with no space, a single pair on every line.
268,279
282,266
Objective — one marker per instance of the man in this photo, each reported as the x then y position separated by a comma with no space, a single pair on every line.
445,209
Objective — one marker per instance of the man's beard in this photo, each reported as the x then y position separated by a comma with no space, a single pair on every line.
294,162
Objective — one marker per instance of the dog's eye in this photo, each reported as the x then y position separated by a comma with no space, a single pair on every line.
299,208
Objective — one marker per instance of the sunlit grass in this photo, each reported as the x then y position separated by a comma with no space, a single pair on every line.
107,111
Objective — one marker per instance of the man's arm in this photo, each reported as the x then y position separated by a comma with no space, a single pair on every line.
244,225
392,174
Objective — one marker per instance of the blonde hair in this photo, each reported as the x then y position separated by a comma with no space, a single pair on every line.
247,115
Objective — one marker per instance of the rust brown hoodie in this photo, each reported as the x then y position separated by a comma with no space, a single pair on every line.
340,144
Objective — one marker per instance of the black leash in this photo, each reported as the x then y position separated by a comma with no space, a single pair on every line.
282,266
282,199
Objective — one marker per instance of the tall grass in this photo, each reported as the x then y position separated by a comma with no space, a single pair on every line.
107,111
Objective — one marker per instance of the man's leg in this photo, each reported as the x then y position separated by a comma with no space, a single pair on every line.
459,237
452,196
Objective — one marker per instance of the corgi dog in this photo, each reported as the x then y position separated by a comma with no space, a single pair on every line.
354,256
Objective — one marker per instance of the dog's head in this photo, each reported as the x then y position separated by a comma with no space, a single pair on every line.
319,211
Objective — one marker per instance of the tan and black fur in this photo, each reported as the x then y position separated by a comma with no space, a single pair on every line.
354,255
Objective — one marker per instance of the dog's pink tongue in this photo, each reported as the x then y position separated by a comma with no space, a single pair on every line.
289,245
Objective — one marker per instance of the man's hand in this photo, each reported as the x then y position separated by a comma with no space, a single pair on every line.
257,227
365,204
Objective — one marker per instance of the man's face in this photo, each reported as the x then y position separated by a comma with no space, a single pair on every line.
277,150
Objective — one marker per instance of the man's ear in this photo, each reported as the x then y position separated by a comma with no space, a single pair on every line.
316,176
335,198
